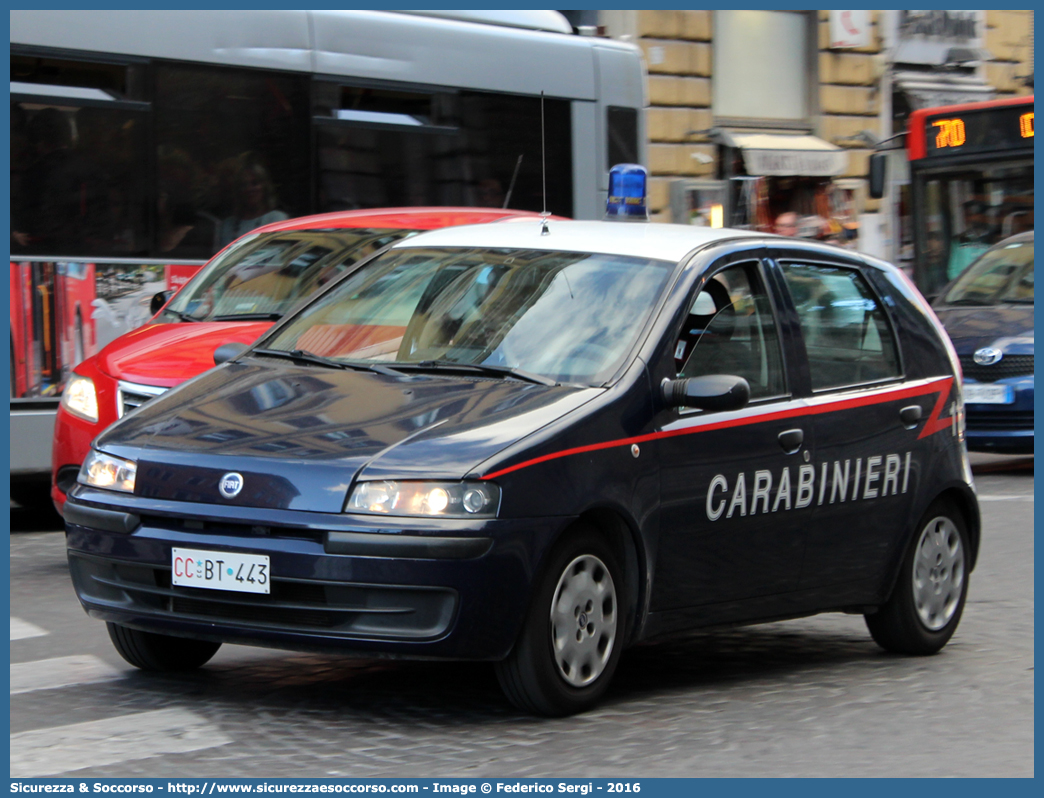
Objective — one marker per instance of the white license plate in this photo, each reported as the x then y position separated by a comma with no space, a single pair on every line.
985,393
220,570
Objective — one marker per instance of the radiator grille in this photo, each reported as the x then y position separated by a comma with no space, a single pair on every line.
132,396
1008,366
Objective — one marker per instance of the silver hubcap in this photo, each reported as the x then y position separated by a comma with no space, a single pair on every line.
938,573
583,620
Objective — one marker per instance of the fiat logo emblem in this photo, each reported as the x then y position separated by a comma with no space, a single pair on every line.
987,356
230,485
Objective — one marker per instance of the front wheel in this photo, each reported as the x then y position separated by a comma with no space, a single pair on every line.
926,605
573,634
160,653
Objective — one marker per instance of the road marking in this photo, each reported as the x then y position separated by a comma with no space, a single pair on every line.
22,629
47,674
1006,497
97,743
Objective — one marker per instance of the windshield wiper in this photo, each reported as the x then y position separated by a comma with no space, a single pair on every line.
247,317
181,316
479,368
303,356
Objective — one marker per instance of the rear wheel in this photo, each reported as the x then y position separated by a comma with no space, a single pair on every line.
572,637
160,653
926,605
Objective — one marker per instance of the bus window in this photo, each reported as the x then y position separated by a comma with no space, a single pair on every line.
622,131
968,212
446,148
77,144
232,154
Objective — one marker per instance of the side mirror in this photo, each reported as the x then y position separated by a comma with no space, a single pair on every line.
226,352
710,392
878,172
158,301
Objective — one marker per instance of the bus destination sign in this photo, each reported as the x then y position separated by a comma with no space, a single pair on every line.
978,130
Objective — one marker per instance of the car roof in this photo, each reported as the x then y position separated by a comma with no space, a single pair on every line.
669,242
413,218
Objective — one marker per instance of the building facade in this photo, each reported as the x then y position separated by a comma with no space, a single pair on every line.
767,119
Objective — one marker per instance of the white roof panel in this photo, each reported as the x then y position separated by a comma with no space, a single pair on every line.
669,242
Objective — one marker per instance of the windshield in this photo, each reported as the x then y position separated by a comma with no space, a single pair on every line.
1004,274
262,276
571,317
960,215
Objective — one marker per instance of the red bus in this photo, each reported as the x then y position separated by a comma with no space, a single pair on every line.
971,183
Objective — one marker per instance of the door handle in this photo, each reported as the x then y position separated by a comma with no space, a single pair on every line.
791,440
910,416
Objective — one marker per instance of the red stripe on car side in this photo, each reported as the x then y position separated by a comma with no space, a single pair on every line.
933,425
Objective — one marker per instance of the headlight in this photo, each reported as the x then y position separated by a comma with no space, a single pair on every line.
442,499
101,470
80,398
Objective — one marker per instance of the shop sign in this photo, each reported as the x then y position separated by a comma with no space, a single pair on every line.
955,26
849,29
809,163
933,37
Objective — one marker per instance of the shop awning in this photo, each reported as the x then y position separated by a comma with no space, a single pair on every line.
784,154
931,89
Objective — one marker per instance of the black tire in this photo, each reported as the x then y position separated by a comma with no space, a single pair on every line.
160,653
32,494
531,676
899,625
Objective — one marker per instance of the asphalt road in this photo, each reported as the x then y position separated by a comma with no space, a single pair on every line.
813,697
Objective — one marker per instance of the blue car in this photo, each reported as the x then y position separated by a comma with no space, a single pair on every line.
988,313
537,444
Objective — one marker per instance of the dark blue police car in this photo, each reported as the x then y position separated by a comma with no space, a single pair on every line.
988,313
538,444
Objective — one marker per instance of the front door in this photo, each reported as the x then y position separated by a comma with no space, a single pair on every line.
735,491
865,451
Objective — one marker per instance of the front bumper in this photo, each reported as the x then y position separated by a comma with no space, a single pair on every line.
1004,429
455,589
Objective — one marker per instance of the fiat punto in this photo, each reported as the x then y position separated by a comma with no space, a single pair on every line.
538,444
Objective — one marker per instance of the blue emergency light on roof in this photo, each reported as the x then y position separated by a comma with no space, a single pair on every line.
626,199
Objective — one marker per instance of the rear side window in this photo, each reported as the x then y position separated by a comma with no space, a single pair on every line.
846,331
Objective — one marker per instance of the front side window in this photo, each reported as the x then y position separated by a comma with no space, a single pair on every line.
847,336
731,330
262,276
568,316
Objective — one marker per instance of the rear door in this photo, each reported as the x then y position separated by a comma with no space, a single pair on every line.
867,420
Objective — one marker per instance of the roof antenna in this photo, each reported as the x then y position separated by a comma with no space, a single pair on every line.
511,186
543,170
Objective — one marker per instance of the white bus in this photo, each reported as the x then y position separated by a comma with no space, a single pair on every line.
146,139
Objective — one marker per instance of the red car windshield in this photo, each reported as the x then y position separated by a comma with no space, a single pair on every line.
262,276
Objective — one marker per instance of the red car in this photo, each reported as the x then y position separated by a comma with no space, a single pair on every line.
239,294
